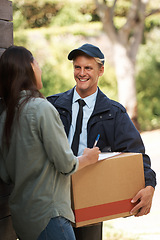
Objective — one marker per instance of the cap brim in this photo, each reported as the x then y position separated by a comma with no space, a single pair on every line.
74,52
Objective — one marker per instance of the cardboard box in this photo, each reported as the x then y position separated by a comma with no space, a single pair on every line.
104,190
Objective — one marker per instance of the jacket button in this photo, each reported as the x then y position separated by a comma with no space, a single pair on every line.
110,115
100,116
63,111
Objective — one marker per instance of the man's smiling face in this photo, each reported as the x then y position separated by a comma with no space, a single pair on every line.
86,74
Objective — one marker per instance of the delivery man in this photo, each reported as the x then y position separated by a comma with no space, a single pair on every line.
96,115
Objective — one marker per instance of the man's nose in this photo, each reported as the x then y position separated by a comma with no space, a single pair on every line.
82,72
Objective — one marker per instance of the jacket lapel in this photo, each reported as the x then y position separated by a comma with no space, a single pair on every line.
65,100
102,103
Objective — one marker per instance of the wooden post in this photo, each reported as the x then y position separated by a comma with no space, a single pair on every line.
6,40
6,26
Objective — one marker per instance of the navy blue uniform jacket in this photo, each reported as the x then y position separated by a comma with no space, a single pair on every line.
110,120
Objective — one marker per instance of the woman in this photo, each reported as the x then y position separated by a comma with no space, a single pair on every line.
34,152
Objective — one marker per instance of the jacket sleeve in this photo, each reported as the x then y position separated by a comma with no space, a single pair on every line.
128,139
55,142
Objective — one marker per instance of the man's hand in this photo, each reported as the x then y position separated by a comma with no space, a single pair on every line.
144,201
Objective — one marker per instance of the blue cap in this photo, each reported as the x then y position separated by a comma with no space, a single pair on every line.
90,50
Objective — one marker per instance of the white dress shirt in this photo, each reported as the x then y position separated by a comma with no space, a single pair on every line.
87,111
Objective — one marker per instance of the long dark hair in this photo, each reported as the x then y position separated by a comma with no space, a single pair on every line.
16,74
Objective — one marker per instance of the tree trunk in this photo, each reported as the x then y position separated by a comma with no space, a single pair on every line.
124,46
125,73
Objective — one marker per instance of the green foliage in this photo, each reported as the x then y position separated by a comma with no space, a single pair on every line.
69,15
20,38
42,13
19,20
152,22
122,8
53,80
34,13
148,84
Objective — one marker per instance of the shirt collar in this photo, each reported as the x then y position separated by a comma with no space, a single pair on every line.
90,100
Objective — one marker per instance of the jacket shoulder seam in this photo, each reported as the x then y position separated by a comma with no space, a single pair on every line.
118,105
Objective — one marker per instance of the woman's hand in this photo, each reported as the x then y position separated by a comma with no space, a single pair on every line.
90,156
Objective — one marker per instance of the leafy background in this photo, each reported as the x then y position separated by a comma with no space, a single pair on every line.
51,29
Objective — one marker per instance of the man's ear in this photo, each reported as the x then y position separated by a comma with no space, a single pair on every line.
101,71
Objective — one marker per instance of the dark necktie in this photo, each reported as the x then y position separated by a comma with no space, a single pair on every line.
78,130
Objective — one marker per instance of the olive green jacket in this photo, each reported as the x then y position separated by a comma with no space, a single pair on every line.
38,162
